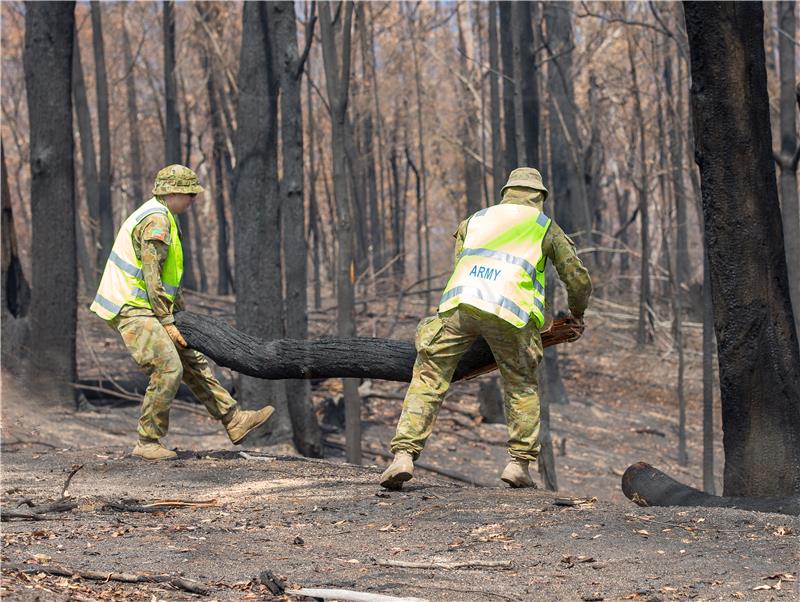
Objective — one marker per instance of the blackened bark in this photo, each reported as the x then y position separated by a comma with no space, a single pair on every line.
88,158
316,230
572,209
509,117
16,293
342,357
307,434
259,297
674,101
648,486
529,85
789,153
219,149
494,103
49,36
104,175
756,339
133,119
644,331
708,381
337,77
172,141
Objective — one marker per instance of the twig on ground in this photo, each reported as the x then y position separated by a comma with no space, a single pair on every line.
188,585
65,488
475,564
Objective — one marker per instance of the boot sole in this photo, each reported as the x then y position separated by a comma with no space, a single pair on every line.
252,428
514,485
395,482
175,457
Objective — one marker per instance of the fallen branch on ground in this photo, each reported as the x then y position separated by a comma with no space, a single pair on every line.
176,582
158,505
475,564
347,594
359,357
648,486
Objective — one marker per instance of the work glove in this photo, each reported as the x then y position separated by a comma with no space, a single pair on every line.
175,335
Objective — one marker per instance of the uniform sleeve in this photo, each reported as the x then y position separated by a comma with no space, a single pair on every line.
153,240
559,248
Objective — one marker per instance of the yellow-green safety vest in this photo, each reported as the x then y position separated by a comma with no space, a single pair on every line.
123,280
501,268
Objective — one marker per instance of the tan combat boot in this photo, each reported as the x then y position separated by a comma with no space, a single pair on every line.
240,423
151,449
400,470
516,474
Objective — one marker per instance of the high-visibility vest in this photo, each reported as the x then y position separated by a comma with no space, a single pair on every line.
501,268
123,280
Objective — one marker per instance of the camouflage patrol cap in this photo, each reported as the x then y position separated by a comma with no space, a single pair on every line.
176,179
527,177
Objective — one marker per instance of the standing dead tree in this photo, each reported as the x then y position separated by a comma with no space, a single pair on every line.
337,77
49,37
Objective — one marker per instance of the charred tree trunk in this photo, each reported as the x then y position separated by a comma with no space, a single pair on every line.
104,175
133,120
172,142
314,218
759,357
259,296
307,434
790,151
494,104
337,76
529,85
49,37
509,117
88,160
16,293
644,332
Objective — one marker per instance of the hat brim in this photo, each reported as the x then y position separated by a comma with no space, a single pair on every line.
195,189
524,184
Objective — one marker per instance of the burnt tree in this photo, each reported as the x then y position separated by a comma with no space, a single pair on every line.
759,358
49,36
259,298
289,70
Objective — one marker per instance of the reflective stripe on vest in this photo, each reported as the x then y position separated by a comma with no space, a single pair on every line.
501,269
123,280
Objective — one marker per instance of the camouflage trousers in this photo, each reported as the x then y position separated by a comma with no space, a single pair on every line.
441,341
167,365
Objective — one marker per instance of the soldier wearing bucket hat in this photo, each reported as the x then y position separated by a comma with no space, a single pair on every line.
496,291
138,292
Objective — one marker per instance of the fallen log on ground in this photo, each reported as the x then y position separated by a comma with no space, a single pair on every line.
648,486
52,569
359,357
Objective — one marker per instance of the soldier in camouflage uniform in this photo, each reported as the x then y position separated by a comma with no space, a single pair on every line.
441,340
139,290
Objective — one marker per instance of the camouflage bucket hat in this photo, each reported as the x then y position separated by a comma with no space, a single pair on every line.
176,179
527,177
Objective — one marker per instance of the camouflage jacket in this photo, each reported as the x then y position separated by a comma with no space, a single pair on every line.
557,247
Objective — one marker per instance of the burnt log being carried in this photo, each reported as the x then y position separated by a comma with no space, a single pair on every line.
358,357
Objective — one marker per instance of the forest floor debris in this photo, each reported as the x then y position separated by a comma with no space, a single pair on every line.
254,523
